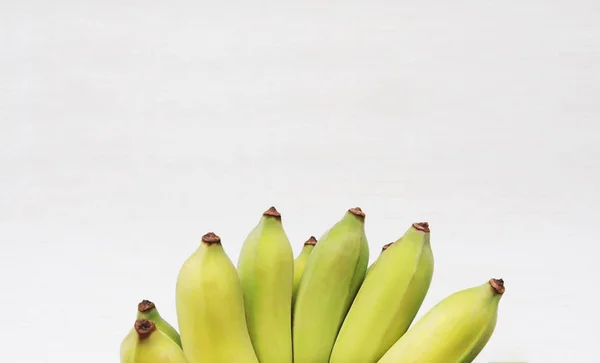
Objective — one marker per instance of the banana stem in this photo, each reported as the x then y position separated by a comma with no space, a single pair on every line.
311,241
272,212
211,238
357,212
144,328
497,285
145,305
422,226
385,246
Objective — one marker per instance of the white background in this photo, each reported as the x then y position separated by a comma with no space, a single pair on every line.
129,129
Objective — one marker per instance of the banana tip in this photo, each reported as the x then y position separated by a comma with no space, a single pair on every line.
144,328
211,238
385,246
272,212
311,241
145,305
357,212
497,285
422,226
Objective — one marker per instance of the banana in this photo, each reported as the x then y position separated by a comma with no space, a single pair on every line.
266,271
145,343
388,299
333,274
385,247
210,307
453,331
147,310
300,263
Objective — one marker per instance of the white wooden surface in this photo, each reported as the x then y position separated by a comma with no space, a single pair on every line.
129,129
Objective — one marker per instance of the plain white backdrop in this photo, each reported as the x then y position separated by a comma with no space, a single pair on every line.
128,129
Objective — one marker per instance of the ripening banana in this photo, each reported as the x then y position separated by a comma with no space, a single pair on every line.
147,310
333,274
266,270
145,343
210,307
300,263
453,331
388,299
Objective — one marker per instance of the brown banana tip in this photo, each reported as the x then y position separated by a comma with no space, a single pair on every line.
498,285
385,246
357,212
422,226
272,212
211,238
145,305
144,328
311,241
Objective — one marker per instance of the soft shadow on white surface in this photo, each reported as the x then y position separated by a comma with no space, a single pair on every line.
129,130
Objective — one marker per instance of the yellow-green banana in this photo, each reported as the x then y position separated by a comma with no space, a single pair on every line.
300,263
147,310
333,274
385,247
147,344
388,299
210,307
266,270
453,331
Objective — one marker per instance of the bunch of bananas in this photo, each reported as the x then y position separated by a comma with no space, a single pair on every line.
325,306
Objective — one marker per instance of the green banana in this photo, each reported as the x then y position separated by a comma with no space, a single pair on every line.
147,310
266,271
385,247
453,331
210,307
147,344
300,263
333,274
388,299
